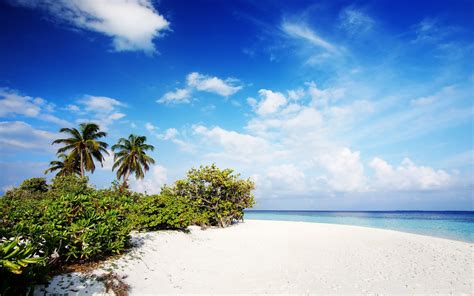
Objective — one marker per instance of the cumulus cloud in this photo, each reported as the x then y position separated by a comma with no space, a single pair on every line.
14,104
100,104
21,135
408,176
201,82
132,24
180,95
235,144
269,103
284,178
211,84
346,171
288,145
101,110
153,181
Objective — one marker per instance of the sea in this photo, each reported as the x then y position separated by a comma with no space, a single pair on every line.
455,225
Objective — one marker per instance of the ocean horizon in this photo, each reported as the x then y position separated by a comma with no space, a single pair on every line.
455,225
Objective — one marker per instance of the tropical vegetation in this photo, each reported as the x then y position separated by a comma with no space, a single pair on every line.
46,226
83,144
130,157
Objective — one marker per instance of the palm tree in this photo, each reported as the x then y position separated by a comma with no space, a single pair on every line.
131,157
84,145
65,165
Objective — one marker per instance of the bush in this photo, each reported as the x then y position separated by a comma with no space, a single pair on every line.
69,221
163,212
217,196
19,265
30,189
34,185
69,184
84,224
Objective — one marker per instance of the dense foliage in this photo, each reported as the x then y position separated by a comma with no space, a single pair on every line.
68,221
19,265
163,212
34,185
217,196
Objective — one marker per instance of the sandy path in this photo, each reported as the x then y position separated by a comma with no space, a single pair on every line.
272,257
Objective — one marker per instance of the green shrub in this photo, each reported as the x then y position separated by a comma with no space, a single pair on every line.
35,185
69,223
217,196
71,226
163,212
33,188
69,184
20,265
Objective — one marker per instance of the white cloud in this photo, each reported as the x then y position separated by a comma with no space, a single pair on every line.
132,24
210,84
284,178
302,31
99,104
291,145
170,134
180,95
20,135
108,161
346,171
322,98
443,94
296,94
72,107
270,102
355,21
14,104
408,176
102,110
201,82
150,127
428,30
153,181
237,144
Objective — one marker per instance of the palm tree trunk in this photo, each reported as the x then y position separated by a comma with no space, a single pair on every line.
82,164
125,178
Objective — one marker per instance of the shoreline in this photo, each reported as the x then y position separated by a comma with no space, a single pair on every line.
368,227
281,257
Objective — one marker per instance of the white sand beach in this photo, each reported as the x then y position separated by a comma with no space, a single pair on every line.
273,257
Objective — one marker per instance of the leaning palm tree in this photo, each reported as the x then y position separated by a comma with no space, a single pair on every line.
130,157
84,145
64,165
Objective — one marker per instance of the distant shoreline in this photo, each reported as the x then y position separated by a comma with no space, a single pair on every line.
454,225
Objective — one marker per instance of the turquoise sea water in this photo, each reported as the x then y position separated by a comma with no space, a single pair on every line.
455,225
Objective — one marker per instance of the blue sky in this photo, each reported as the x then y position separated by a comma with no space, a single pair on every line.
325,104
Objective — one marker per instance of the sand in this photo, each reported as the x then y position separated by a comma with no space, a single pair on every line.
273,257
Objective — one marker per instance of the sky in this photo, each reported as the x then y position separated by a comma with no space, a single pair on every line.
326,105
